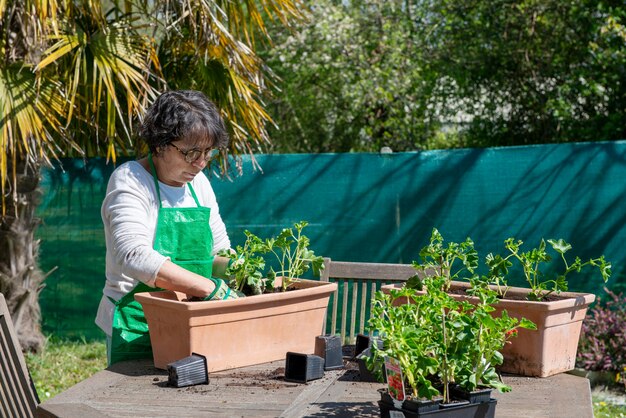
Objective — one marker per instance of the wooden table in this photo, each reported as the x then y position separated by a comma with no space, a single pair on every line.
136,389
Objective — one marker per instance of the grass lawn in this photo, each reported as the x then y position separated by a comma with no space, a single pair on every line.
62,364
602,409
609,403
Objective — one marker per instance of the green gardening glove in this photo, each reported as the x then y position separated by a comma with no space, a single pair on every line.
222,291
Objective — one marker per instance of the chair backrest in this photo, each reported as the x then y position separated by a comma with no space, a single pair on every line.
357,282
18,397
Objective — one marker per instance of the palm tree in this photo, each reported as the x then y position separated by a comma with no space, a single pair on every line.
75,76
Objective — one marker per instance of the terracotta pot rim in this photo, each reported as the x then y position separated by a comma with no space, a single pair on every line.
567,301
174,300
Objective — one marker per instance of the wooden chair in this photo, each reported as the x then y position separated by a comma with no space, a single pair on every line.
18,397
357,283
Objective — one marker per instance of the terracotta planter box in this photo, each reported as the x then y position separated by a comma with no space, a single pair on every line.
549,350
239,332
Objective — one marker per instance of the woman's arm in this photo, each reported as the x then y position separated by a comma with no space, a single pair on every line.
129,215
173,277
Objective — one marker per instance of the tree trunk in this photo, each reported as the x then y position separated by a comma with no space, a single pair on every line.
21,280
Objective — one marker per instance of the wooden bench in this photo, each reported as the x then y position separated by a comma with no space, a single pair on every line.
357,283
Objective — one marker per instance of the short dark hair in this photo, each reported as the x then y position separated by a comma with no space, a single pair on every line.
180,114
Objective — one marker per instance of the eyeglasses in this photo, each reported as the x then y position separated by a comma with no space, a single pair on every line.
194,154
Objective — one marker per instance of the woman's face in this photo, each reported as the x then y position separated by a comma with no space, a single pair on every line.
171,166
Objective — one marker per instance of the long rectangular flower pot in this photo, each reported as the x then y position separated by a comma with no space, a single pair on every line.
549,350
238,332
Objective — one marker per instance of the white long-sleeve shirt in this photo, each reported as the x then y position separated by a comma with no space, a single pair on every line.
129,213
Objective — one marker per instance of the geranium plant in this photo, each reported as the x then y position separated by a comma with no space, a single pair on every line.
541,285
246,265
292,252
405,336
492,333
440,340
454,261
290,249
459,262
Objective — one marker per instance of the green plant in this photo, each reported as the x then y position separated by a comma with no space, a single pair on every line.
490,334
531,261
245,268
291,250
440,340
449,325
406,337
437,258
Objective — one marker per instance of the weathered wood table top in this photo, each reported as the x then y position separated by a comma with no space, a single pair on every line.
137,389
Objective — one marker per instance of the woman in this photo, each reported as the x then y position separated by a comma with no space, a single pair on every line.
161,220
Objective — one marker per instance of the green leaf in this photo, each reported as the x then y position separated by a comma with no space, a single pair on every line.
414,282
527,324
560,245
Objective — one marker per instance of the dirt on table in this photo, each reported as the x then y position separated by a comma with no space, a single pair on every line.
270,379
273,379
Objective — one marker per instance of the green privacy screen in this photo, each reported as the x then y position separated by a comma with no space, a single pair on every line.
363,207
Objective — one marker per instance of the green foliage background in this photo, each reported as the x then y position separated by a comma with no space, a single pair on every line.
358,75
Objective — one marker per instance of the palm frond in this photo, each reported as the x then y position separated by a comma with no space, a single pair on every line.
107,74
29,119
106,67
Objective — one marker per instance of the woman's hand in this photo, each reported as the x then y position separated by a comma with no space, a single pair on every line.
220,264
222,291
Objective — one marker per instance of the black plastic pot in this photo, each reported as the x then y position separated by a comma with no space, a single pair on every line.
365,374
385,396
474,410
418,406
329,348
421,406
188,371
362,343
455,403
476,396
301,368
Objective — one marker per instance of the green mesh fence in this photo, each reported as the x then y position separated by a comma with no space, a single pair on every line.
363,207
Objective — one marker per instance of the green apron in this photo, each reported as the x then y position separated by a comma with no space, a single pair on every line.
184,235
